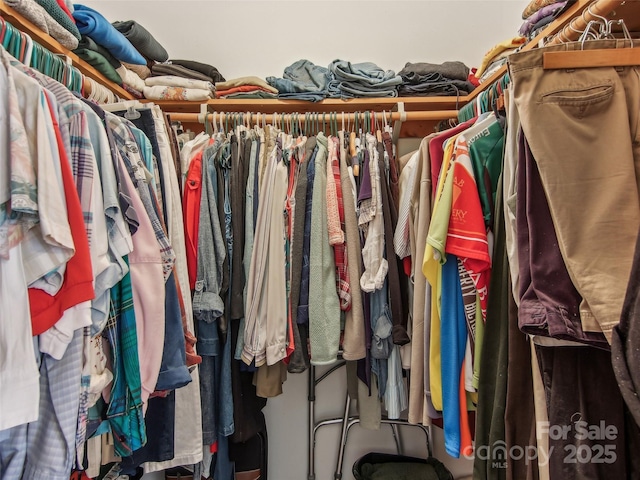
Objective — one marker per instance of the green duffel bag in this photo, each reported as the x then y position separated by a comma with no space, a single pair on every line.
384,466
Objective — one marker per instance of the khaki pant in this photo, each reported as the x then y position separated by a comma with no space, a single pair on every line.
582,127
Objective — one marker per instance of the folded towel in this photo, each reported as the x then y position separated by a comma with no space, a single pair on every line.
59,15
177,94
94,25
100,63
87,43
140,38
160,69
208,70
250,80
142,70
130,78
173,81
41,19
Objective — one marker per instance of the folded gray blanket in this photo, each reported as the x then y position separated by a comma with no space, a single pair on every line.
140,38
179,71
208,70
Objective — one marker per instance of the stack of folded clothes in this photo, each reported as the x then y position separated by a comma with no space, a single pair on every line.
142,40
50,17
430,79
245,87
187,69
304,80
539,13
364,79
100,58
171,87
97,31
182,80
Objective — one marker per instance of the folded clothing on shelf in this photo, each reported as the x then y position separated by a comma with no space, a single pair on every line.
94,25
130,78
54,9
37,15
177,94
100,63
364,79
431,79
161,69
87,43
141,70
208,70
303,80
173,81
142,40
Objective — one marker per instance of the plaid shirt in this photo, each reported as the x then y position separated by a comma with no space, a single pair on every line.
125,406
130,153
74,130
339,248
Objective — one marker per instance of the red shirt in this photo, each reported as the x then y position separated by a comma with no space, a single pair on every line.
467,235
191,211
77,286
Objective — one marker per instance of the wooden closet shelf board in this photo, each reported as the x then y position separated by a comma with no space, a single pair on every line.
328,105
51,44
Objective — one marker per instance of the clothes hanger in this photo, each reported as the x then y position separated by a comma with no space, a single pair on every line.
353,147
607,57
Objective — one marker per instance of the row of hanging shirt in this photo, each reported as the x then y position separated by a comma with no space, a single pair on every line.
90,279
292,236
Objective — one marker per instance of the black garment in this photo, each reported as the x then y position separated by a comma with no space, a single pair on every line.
160,69
142,40
396,279
580,387
208,70
247,406
625,355
160,422
237,193
494,363
299,361
421,72
442,87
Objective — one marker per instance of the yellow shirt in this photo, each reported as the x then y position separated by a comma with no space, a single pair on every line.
432,268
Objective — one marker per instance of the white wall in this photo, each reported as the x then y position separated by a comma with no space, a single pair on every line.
261,38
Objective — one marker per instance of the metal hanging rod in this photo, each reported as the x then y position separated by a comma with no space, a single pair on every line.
288,117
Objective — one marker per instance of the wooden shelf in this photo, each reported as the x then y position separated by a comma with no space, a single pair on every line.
51,44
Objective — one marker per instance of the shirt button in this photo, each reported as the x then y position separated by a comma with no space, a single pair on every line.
282,349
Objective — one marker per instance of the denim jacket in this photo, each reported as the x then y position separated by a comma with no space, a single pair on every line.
207,304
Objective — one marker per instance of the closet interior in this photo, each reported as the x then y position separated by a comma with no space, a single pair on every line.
348,256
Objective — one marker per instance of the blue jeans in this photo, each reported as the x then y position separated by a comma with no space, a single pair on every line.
381,338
